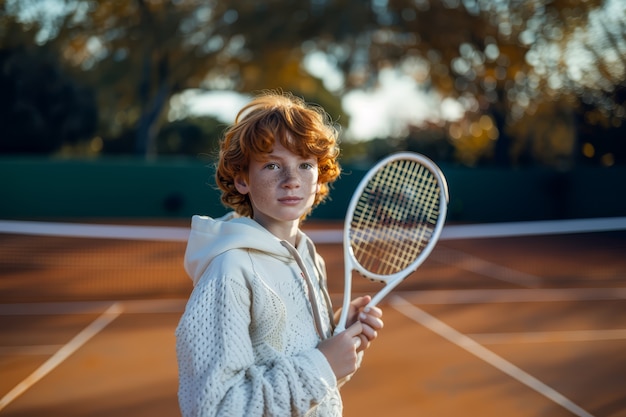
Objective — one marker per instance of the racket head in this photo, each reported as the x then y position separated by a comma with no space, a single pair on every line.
395,217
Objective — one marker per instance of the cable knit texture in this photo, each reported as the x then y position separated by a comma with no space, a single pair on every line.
246,343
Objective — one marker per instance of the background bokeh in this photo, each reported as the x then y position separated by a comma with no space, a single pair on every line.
114,108
472,82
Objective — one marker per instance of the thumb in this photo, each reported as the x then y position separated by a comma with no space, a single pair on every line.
361,302
355,334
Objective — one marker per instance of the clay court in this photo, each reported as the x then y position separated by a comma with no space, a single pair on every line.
499,321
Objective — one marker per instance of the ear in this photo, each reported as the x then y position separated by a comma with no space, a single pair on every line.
241,185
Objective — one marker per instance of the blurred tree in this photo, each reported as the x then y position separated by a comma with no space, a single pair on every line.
196,136
508,62
513,61
602,139
42,107
139,53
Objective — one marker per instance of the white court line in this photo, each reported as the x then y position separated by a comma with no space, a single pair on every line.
550,337
480,266
518,295
63,353
169,305
29,350
46,308
471,346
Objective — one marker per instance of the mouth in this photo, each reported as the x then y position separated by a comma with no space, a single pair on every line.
291,200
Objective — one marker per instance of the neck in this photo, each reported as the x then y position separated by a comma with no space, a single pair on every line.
284,231
288,234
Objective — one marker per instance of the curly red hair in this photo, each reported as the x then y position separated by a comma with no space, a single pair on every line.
303,128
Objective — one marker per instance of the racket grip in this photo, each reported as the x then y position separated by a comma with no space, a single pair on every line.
343,318
347,294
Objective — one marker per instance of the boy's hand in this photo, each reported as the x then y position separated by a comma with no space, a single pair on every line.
341,350
371,320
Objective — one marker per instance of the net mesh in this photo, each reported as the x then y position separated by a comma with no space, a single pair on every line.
44,262
395,217
83,263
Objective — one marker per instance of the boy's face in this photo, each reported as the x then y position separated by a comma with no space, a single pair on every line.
281,186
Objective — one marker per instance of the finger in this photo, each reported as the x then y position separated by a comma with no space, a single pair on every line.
357,342
369,333
373,311
372,321
363,343
361,302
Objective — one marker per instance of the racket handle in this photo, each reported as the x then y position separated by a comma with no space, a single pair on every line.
347,293
343,318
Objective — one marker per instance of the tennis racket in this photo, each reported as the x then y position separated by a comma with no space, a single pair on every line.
393,222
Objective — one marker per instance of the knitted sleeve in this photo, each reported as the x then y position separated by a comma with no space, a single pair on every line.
221,373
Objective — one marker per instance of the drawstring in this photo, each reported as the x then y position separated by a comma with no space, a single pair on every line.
323,285
317,317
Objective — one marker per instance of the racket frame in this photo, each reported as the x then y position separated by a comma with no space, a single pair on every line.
391,280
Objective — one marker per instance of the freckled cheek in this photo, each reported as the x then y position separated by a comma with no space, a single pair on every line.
269,182
313,183
262,188
308,176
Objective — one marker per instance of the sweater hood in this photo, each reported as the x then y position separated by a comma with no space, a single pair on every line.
211,237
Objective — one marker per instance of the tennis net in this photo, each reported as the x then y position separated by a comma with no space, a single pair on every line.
41,262
67,261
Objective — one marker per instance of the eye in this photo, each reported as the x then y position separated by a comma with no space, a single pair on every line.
307,165
271,166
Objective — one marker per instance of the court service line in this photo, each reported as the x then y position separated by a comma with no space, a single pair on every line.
517,295
478,350
63,353
551,336
168,305
29,350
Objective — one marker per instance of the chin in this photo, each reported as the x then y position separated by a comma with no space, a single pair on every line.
292,215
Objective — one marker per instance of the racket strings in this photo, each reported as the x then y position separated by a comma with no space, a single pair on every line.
395,217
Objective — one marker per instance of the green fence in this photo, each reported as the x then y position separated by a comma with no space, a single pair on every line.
32,188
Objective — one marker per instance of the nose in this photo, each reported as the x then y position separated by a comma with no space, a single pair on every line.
290,178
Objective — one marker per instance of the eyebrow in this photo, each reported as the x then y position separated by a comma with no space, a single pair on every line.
264,156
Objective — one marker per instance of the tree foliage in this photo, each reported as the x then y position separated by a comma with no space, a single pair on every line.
42,108
138,54
531,75
513,61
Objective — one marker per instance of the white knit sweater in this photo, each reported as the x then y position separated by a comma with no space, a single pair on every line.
246,343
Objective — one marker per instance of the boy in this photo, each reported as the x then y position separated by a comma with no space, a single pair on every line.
256,338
